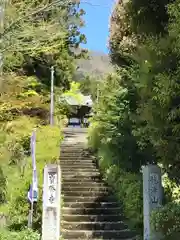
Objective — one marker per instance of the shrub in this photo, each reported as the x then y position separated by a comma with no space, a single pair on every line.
32,83
167,221
110,135
23,235
127,188
3,185
19,175
17,141
171,189
19,95
29,93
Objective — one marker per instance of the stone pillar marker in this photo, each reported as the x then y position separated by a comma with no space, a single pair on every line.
152,197
51,202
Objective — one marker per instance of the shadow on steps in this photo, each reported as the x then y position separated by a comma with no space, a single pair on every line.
90,211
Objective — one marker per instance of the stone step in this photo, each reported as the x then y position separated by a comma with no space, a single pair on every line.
97,199
72,151
84,188
92,218
83,182
72,129
105,234
84,193
90,204
89,210
96,185
75,169
119,225
72,154
73,147
75,163
79,172
81,176
86,183
135,238
79,153
75,157
92,211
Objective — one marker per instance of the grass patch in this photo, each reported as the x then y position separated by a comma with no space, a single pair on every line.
18,174
23,235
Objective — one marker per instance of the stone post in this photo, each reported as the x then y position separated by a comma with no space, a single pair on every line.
51,203
152,197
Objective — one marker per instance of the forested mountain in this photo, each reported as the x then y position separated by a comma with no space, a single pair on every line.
97,64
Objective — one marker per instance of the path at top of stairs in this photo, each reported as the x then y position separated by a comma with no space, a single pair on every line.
90,211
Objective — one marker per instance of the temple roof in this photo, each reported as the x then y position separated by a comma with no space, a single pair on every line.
81,100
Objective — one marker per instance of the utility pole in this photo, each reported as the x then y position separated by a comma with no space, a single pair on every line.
97,94
52,97
2,10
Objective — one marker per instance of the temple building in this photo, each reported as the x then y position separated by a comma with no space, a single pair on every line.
80,109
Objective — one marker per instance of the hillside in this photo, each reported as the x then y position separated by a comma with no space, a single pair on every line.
97,64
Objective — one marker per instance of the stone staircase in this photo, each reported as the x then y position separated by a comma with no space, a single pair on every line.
89,210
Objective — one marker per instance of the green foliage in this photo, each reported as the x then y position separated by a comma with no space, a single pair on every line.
19,174
36,35
45,24
136,120
114,125
131,22
22,95
3,185
74,91
110,135
158,108
126,186
166,220
152,80
23,235
40,34
171,189
15,160
89,86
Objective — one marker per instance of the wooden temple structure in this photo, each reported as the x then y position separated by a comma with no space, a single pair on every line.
80,110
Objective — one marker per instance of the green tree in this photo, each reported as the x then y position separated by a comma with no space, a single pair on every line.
89,85
159,91
131,22
136,121
41,33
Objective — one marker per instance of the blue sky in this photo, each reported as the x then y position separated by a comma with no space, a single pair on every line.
97,23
